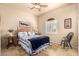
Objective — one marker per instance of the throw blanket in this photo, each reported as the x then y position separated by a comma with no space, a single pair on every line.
38,41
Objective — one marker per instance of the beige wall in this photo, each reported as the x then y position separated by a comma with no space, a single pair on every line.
78,27
69,11
11,16
0,36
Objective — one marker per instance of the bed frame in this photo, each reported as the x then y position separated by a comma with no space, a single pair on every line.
25,46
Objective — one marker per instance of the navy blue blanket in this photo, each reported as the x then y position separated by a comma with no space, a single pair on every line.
38,41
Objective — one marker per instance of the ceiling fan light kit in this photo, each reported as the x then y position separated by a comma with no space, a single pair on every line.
38,6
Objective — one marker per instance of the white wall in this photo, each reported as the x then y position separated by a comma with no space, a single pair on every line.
69,11
10,18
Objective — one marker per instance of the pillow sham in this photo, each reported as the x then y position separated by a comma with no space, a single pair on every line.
22,34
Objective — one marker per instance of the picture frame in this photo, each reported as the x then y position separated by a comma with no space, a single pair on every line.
24,24
68,23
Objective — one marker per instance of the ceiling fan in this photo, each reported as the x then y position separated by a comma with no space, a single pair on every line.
38,6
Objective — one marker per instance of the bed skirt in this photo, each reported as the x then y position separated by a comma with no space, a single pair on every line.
30,51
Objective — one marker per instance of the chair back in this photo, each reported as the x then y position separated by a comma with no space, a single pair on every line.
69,36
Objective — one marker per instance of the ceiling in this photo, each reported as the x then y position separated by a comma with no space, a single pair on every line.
27,6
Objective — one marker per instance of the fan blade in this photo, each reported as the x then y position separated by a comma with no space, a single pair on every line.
36,3
43,5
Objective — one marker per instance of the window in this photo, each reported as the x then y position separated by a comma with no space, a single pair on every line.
51,26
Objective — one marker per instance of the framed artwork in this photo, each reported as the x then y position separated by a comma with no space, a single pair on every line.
24,24
68,23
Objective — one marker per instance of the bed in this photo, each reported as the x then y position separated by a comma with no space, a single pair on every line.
31,42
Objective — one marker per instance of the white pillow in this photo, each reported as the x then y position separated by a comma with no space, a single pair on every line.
31,33
22,34
25,33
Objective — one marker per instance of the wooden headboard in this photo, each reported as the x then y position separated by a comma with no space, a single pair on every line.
24,30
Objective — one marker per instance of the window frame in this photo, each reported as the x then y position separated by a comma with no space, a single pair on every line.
48,23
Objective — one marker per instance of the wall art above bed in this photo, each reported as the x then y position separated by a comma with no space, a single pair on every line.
23,24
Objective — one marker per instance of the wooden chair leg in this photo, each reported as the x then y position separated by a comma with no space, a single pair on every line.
61,42
70,46
64,45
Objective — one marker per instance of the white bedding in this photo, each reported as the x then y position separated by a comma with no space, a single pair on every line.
25,43
29,37
24,36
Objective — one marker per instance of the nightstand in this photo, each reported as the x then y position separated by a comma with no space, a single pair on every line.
12,40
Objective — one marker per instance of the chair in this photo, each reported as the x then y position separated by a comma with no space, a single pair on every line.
67,40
